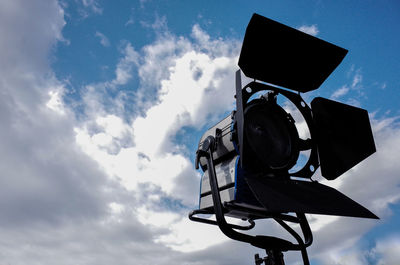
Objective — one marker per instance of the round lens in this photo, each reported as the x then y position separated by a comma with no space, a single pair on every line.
271,135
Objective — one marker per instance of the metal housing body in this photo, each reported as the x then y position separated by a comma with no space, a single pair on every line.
222,131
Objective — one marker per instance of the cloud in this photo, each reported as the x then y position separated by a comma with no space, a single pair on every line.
124,67
192,82
19,56
131,19
387,251
93,6
55,102
384,251
45,178
107,185
54,198
311,30
357,79
103,39
340,92
355,85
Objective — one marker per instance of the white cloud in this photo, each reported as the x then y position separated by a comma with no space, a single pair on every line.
55,102
340,92
188,236
186,78
93,6
101,99
387,250
194,79
311,30
355,257
357,79
113,126
103,39
131,19
354,86
159,25
124,68
193,86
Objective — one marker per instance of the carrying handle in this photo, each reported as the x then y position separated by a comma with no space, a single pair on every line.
193,217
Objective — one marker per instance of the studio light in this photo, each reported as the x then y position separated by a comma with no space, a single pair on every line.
250,158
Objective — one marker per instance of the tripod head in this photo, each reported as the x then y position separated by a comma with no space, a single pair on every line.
272,258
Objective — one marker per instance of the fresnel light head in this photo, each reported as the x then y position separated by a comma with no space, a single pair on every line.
250,158
271,135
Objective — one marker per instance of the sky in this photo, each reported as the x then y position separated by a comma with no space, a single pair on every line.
103,103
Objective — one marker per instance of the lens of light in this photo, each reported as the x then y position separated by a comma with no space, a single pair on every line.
271,135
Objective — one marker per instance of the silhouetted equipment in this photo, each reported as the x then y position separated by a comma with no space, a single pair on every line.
283,56
250,158
352,139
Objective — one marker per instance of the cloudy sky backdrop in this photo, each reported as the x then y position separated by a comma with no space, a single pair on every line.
102,104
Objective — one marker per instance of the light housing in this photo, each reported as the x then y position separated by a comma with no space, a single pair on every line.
246,171
260,138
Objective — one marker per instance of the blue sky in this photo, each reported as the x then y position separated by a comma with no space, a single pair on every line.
102,105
